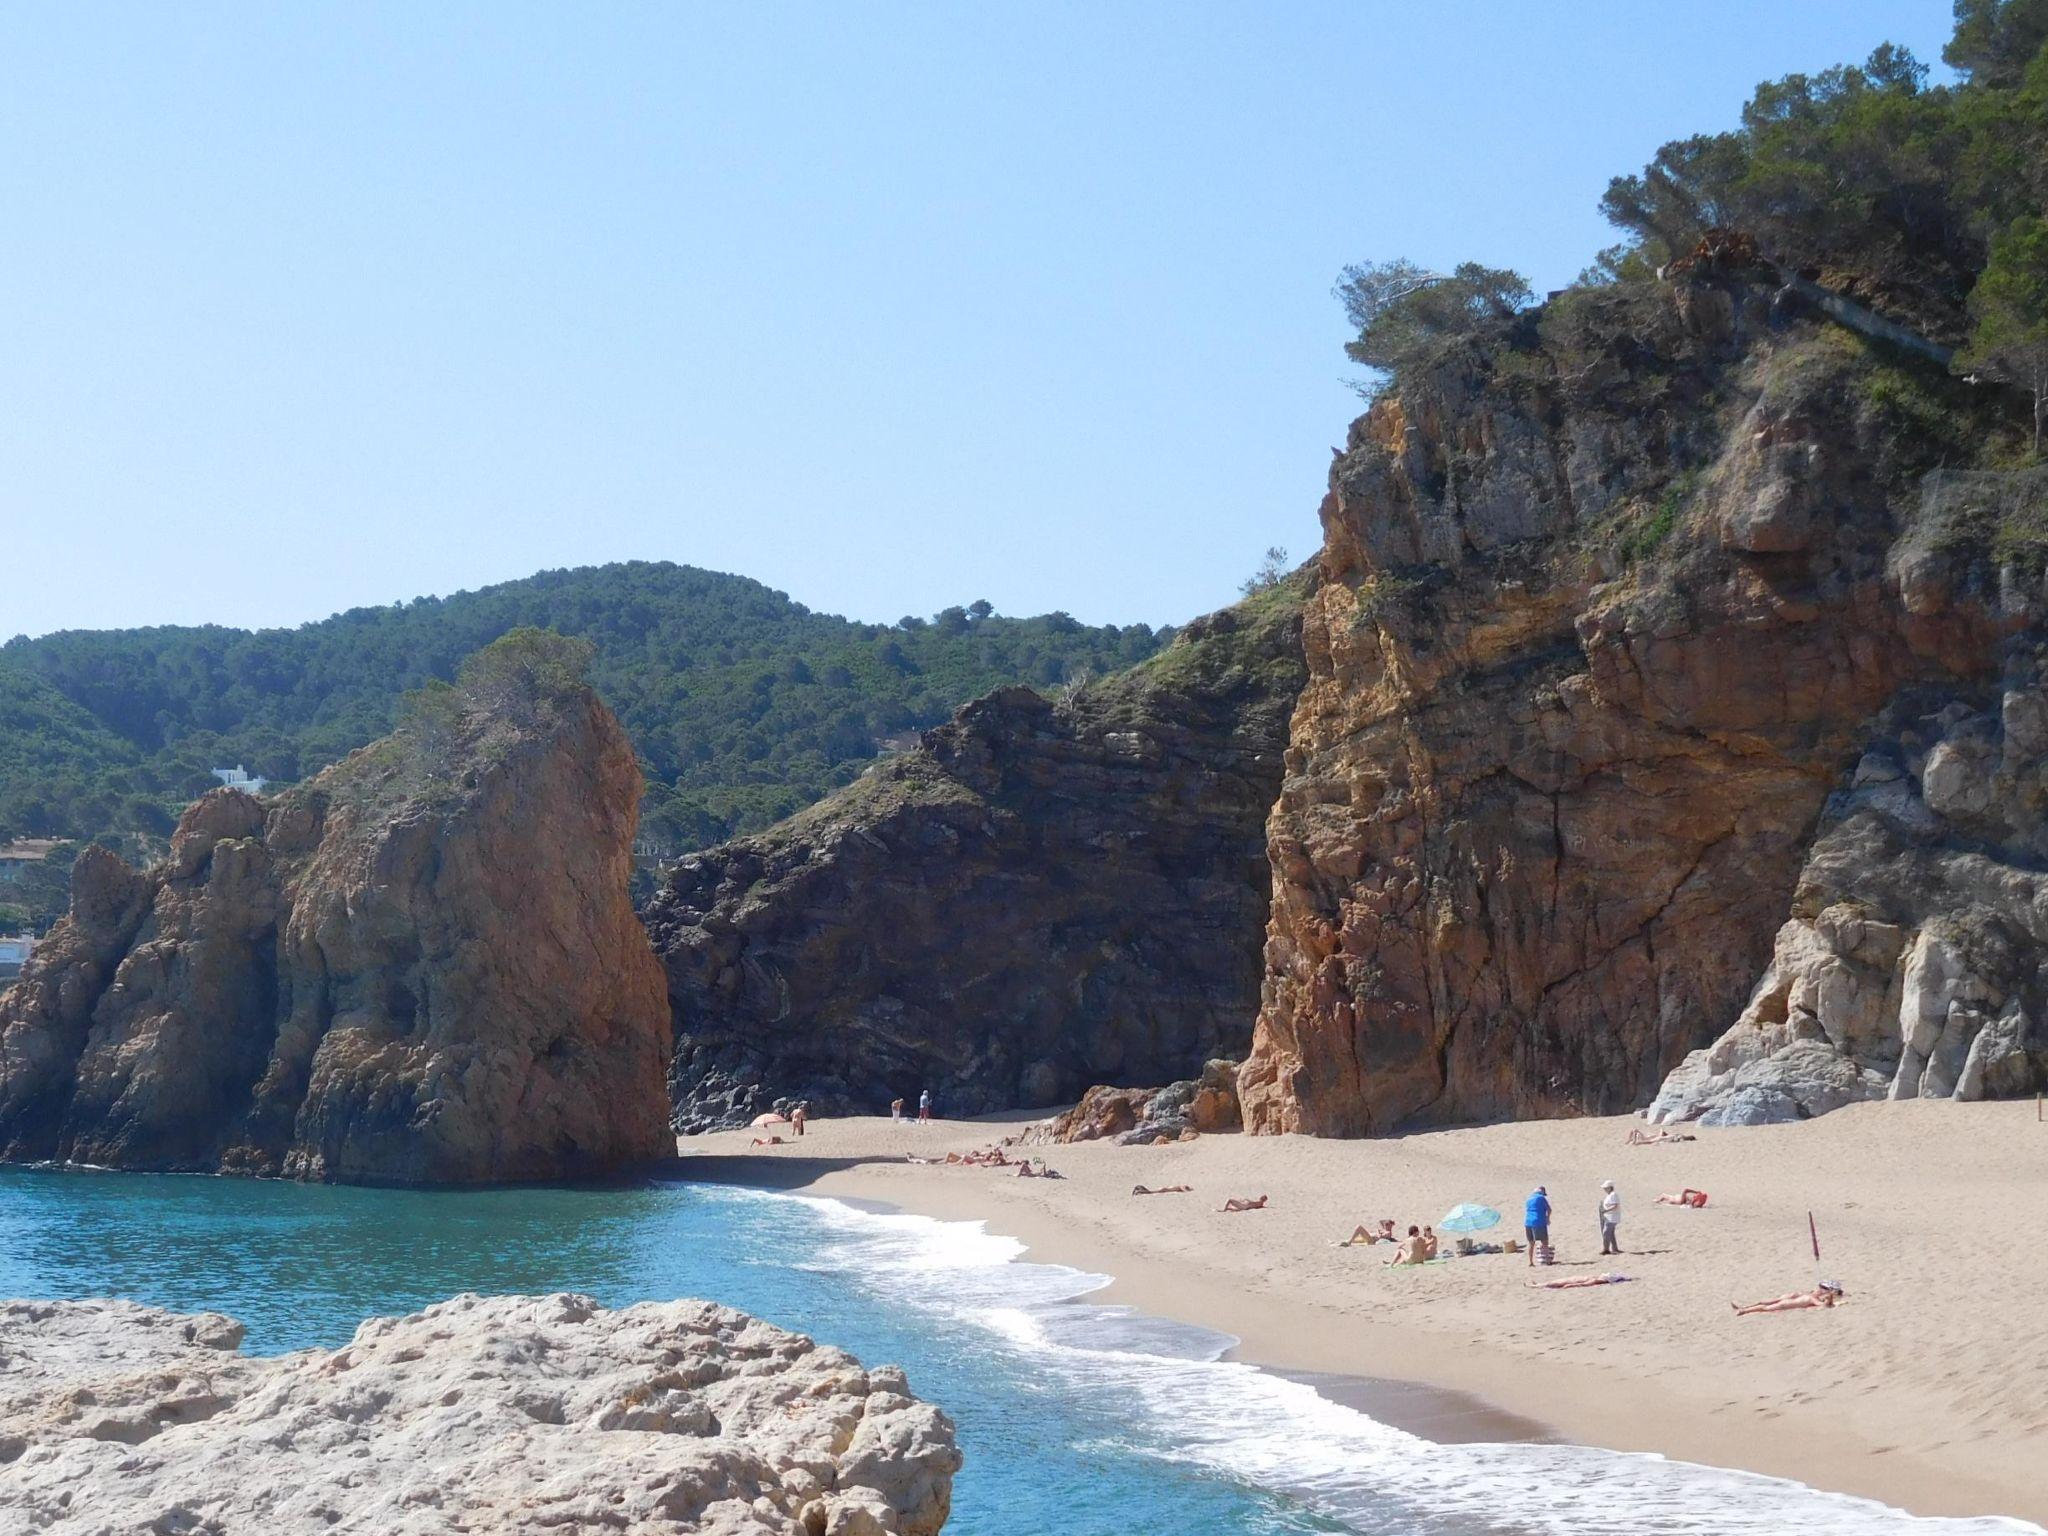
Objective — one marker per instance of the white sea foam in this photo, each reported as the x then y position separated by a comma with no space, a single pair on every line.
1178,1400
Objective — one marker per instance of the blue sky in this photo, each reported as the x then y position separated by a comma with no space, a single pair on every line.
888,305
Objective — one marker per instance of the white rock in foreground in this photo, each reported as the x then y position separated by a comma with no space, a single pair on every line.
490,1415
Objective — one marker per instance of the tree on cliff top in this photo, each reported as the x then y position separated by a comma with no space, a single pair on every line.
525,673
1271,572
1409,318
2010,307
518,682
1866,176
1995,40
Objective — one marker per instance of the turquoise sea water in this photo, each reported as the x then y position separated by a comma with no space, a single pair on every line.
1076,1419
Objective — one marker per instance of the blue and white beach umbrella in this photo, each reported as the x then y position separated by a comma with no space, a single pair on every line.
1467,1217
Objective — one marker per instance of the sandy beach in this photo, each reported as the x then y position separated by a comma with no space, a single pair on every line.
1926,1389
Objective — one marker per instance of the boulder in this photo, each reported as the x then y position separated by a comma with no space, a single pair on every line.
1138,1117
507,1414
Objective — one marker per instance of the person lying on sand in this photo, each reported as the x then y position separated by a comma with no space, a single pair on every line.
1577,1282
987,1157
1642,1138
1692,1197
1164,1189
1236,1204
767,1141
1383,1233
1034,1168
1826,1294
1411,1251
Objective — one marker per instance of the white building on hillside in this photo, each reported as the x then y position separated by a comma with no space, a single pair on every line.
237,777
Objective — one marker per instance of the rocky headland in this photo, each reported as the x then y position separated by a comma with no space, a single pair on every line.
508,1414
1040,896
1610,614
422,966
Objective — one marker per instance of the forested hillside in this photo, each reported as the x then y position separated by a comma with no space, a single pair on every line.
743,705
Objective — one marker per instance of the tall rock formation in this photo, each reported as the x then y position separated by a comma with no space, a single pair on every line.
1039,897
420,967
1607,612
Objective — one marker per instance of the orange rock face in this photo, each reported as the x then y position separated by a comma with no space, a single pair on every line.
421,967
1589,654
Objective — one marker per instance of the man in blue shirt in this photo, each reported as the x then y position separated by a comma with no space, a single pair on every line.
1536,1221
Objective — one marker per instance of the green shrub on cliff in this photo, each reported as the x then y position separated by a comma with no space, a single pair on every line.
2010,308
1647,537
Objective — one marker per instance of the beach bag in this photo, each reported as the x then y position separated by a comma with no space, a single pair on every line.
1544,1255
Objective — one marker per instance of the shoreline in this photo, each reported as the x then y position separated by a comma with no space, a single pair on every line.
1904,1426
1432,1412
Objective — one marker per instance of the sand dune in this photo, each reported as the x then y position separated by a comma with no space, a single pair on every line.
1928,1389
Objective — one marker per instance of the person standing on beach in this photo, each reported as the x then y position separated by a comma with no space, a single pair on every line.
1536,1220
924,1107
1610,1218
796,1117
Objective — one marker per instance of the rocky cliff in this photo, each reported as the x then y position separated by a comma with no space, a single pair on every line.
1607,614
1040,896
420,967
507,1414
1915,960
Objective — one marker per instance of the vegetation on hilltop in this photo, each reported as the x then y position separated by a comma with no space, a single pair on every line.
1921,201
742,704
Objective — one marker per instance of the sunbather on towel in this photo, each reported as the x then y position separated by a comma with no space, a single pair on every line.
1826,1294
1642,1138
1578,1282
1692,1197
1164,1189
1383,1233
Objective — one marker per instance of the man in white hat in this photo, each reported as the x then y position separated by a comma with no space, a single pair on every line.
1610,1218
